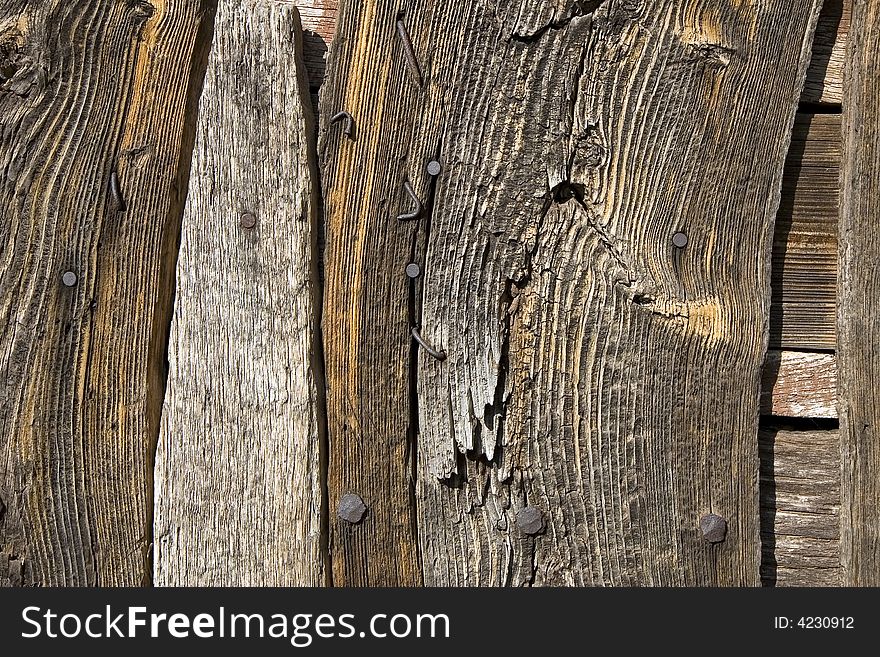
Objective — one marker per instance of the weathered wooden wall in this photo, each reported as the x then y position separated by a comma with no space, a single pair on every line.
544,402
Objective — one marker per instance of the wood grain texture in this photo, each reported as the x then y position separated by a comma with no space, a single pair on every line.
824,82
804,276
800,507
87,89
238,489
367,299
799,384
594,371
859,301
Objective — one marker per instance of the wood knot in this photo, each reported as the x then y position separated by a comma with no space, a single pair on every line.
713,55
141,9
18,74
589,147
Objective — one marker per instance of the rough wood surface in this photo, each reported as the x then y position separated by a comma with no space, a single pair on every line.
799,384
859,301
87,89
800,507
825,76
594,370
804,278
238,490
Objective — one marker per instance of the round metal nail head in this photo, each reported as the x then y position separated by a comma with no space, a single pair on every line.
248,220
530,520
352,508
680,240
714,528
413,270
434,168
69,278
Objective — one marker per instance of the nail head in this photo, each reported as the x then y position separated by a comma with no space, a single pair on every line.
413,270
530,520
248,220
434,168
714,528
69,278
680,240
352,508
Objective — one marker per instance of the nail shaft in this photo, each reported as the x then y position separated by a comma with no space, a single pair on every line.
409,52
439,355
116,192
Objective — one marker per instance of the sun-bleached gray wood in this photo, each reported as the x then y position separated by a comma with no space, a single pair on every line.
238,490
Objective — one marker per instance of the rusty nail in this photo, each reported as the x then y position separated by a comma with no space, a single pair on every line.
352,508
69,278
530,520
116,192
409,52
413,270
434,168
680,240
439,355
417,212
248,220
714,528
348,129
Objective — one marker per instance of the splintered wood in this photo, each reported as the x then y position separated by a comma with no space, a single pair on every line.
238,493
90,92
596,372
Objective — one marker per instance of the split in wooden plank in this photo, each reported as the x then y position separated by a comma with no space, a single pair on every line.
596,371
859,301
799,384
238,469
319,24
824,82
800,507
804,269
93,99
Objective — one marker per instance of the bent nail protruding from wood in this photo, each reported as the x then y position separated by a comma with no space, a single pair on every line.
419,208
439,355
348,129
116,192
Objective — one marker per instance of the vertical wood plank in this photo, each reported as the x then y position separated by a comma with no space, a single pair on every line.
87,89
367,299
858,305
238,471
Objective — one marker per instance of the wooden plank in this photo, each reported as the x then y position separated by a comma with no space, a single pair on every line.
594,370
238,490
799,384
804,268
366,312
87,90
825,76
800,507
859,301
